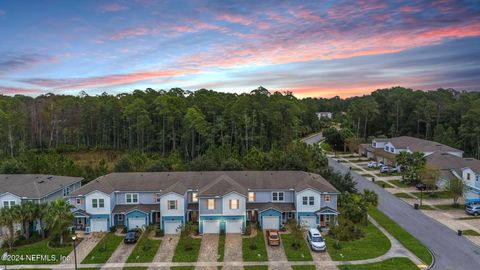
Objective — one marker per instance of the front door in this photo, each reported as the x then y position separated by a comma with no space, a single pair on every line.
322,220
194,216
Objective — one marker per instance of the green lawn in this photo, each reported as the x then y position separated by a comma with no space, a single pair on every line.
259,253
104,249
256,267
373,244
326,147
433,195
145,250
221,248
300,254
183,255
404,195
303,267
383,184
469,218
471,233
390,264
38,248
400,183
389,174
404,237
450,206
426,207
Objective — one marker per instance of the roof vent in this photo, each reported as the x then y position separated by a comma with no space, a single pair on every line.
50,177
40,182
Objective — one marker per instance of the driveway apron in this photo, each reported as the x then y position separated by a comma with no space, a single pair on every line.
84,247
233,250
208,250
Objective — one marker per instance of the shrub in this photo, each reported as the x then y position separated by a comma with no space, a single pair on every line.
252,244
159,232
345,231
113,229
248,229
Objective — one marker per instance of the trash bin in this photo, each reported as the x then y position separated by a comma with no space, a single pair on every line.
459,232
373,179
416,206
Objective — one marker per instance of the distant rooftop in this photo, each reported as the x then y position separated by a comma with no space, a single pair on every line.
34,186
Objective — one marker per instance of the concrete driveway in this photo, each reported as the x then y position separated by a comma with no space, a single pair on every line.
233,250
166,250
208,250
451,251
84,247
276,253
121,254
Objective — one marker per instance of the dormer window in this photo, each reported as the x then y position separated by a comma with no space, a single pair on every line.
374,144
66,191
387,148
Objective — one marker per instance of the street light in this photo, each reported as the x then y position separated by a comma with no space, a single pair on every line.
74,238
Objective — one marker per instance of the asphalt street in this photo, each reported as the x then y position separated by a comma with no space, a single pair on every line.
450,250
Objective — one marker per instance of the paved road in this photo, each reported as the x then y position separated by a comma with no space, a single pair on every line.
450,250
314,139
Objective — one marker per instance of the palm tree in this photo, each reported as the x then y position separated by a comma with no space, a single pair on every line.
370,197
28,211
42,210
9,216
59,217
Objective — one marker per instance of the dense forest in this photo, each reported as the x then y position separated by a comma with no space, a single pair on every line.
206,130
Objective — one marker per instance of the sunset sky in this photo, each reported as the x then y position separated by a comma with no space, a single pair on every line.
317,48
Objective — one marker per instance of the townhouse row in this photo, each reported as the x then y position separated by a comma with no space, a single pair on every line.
448,160
218,201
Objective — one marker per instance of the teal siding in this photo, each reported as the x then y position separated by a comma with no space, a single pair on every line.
270,213
222,221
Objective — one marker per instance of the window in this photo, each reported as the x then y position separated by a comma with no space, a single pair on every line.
66,191
211,204
234,204
311,200
251,196
374,144
5,204
120,218
304,200
157,197
392,149
278,196
94,203
468,176
101,203
194,197
478,177
79,201
131,198
327,198
386,148
172,205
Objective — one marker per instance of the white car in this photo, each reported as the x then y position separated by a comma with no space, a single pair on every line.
372,164
315,240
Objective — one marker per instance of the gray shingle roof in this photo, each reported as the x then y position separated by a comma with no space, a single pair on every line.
221,186
282,207
125,208
420,145
255,180
445,161
34,186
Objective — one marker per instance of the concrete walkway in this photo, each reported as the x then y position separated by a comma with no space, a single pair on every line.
233,250
276,254
84,247
208,250
166,250
121,254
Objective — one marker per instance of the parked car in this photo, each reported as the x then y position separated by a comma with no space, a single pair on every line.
372,164
132,236
315,240
473,209
422,186
388,169
273,238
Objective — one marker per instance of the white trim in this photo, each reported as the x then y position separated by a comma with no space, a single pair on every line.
278,193
131,196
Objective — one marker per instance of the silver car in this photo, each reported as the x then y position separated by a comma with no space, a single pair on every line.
315,240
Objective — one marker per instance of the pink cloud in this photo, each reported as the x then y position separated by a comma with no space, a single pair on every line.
8,90
409,9
112,7
235,18
130,32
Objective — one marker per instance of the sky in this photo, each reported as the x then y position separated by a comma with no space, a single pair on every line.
310,48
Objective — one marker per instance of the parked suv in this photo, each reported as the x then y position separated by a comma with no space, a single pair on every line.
315,240
473,209
388,169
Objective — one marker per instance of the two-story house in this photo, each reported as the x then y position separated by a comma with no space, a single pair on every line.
385,149
39,188
218,201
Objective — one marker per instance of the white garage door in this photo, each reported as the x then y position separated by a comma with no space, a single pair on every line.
233,226
134,223
172,227
308,222
99,225
271,223
211,226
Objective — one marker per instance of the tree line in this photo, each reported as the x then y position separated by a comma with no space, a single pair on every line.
447,116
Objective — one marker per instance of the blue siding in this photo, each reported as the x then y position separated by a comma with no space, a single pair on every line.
222,221
143,197
266,196
269,213
332,204
163,219
203,207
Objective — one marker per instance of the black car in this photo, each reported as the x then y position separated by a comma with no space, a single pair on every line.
422,186
132,236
